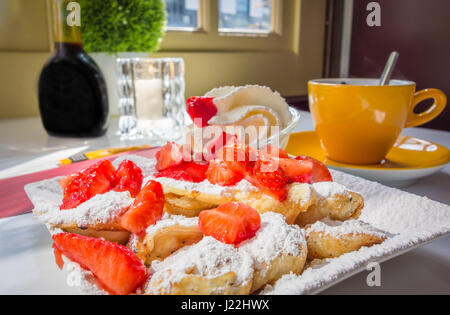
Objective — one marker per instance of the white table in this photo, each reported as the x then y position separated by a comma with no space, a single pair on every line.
422,271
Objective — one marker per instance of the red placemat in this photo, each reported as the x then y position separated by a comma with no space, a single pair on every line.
13,199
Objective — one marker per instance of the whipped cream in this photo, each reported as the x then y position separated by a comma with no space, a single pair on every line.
253,113
239,101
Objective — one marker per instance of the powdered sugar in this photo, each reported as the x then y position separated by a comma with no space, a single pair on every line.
172,220
274,238
329,189
209,258
337,228
101,209
415,219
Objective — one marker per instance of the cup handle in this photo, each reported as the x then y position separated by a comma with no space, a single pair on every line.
440,102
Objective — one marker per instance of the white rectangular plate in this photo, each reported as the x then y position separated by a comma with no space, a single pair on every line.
26,254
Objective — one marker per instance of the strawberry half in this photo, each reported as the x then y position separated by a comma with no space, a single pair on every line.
129,178
117,269
320,172
297,171
147,209
170,155
269,178
95,180
231,223
201,110
220,174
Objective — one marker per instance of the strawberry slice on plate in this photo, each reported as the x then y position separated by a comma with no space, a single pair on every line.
95,180
169,156
220,174
197,171
297,171
129,178
177,173
147,209
320,172
116,268
187,171
231,223
201,110
270,179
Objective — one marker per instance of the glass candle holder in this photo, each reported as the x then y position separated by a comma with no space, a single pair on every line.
151,98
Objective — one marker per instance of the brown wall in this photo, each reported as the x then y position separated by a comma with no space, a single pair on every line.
420,31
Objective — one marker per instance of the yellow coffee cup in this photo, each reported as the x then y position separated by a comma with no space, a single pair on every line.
358,121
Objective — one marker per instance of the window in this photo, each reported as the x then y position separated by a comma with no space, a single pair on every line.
231,16
278,43
245,16
182,14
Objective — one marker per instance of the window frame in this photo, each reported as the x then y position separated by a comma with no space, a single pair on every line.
207,36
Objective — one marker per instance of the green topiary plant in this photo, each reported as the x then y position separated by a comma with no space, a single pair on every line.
114,26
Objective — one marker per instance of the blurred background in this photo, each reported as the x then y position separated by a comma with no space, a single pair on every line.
278,43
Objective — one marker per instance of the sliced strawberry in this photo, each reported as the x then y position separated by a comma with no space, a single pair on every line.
177,173
220,174
187,171
231,223
238,156
201,110
297,171
170,155
129,178
320,172
147,209
273,152
197,171
95,180
117,269
269,178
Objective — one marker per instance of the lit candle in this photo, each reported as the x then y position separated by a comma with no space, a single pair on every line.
149,99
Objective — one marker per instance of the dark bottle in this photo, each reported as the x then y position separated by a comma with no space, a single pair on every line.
73,98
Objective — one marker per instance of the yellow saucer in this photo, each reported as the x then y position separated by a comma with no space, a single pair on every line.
409,160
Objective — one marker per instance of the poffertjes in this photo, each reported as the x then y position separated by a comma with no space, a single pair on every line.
331,239
198,229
